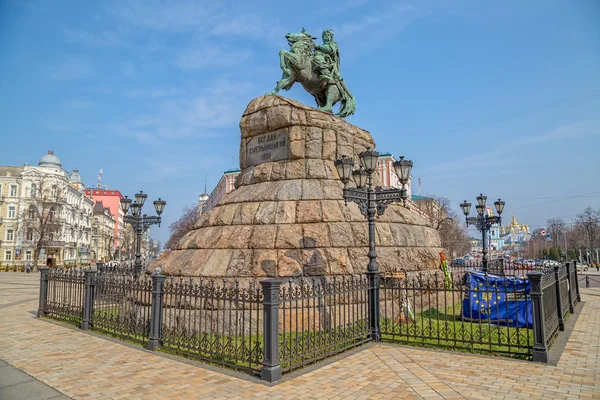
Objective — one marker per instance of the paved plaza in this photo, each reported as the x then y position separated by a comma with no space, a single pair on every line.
81,365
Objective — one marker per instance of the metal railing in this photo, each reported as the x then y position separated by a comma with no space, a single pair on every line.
64,291
320,317
275,326
121,305
431,311
217,321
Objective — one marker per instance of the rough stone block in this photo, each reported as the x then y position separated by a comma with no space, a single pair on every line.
262,173
289,263
315,235
298,117
289,237
245,214
297,149
297,133
278,171
314,261
240,263
290,190
340,234
339,261
263,237
279,117
240,237
329,151
309,211
331,211
384,235
315,169
264,262
311,189
314,149
286,212
266,213
295,170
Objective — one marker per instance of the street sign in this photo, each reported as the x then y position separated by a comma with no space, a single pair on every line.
548,238
18,252
543,232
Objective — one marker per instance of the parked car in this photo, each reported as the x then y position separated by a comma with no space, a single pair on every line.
582,267
459,262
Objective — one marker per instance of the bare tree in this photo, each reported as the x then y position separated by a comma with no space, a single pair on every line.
183,225
557,229
440,216
39,219
587,227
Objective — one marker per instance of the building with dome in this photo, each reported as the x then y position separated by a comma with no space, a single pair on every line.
49,216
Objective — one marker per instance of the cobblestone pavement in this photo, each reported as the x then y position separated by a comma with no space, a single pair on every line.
86,366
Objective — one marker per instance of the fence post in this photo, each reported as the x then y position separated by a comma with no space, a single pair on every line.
43,291
539,351
570,291
576,281
559,304
374,305
88,299
271,369
155,334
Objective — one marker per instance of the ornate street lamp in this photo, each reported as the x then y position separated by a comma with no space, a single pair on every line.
139,222
483,222
372,201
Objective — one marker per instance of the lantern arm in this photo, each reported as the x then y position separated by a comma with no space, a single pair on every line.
150,220
130,219
358,196
473,220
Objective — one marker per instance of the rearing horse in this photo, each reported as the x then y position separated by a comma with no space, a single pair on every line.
297,66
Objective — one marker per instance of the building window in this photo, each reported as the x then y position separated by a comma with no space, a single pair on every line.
33,191
28,256
10,235
52,214
7,255
11,212
13,191
31,212
30,234
54,191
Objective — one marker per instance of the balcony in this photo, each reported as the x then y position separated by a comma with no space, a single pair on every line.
54,243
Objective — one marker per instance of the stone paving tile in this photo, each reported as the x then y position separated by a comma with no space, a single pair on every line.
85,366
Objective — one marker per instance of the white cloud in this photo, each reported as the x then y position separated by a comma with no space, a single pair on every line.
200,116
211,56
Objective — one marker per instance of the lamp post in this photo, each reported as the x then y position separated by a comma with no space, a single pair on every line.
483,222
140,222
372,201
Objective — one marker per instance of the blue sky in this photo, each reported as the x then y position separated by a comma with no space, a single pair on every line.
484,96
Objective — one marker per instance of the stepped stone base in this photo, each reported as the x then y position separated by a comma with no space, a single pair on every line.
286,217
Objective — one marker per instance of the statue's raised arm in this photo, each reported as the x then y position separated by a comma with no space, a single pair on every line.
317,69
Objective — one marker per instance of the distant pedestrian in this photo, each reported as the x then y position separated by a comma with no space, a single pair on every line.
28,268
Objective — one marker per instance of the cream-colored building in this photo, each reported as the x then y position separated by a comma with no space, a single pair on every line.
48,214
10,193
103,233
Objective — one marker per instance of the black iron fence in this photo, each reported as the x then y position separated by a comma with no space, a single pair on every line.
320,317
121,305
432,311
64,294
274,326
214,320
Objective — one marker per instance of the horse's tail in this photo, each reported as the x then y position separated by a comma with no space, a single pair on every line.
348,105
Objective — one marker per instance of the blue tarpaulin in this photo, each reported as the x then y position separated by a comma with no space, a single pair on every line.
497,300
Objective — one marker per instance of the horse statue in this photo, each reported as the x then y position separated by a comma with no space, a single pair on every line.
317,69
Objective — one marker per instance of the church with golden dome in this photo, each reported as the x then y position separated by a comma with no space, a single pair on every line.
515,233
